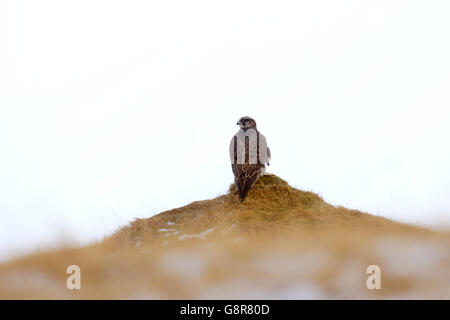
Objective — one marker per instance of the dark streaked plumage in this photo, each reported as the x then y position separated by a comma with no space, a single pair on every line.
247,169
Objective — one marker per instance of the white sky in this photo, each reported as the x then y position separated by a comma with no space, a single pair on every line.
111,110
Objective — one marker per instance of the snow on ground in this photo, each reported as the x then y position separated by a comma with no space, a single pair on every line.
411,268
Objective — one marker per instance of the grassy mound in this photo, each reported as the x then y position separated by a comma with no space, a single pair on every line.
280,243
272,209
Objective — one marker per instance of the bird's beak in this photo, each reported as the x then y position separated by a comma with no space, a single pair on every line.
239,123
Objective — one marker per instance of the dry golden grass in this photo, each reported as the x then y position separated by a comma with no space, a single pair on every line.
279,243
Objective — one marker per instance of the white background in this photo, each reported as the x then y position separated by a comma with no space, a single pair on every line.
111,110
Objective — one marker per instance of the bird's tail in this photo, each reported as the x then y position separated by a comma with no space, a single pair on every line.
243,186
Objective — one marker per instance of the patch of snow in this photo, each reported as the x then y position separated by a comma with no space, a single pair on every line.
247,289
166,230
187,265
412,257
348,280
23,279
292,266
238,289
299,291
28,280
171,233
170,223
199,235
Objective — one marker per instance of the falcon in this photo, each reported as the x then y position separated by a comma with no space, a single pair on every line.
249,155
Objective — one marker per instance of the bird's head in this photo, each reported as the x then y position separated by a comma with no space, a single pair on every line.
246,123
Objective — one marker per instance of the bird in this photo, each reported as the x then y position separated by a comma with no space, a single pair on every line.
249,155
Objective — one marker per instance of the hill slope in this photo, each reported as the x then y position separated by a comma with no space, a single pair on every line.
279,243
